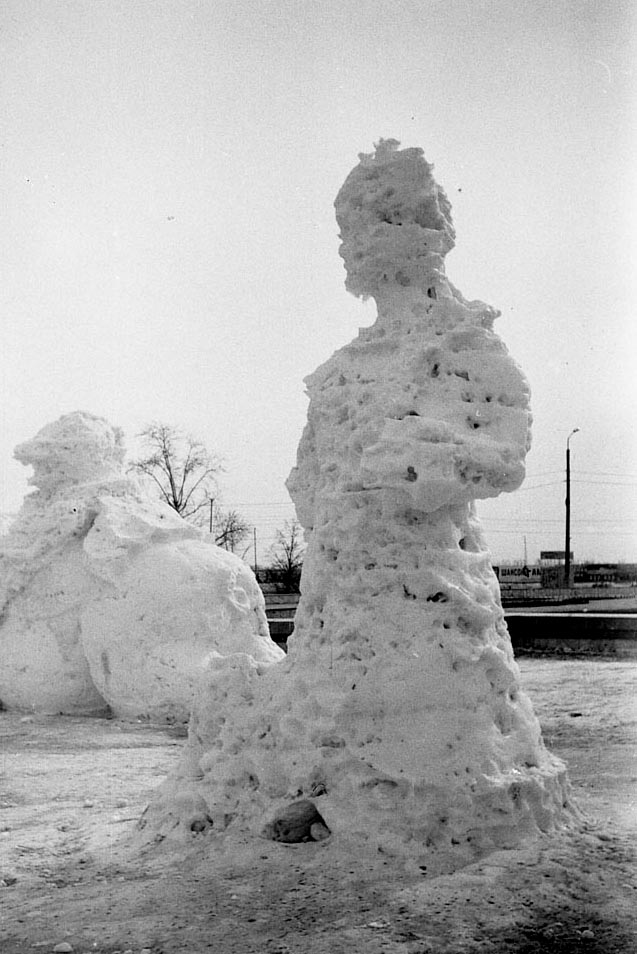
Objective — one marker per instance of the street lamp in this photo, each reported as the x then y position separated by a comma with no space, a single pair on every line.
567,542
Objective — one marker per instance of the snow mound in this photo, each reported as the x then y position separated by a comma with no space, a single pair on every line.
107,596
398,713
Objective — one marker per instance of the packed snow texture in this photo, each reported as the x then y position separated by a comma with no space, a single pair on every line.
107,596
398,712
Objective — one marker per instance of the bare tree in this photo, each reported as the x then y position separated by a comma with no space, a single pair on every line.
182,468
230,529
287,557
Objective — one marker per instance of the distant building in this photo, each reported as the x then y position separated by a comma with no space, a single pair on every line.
519,573
549,573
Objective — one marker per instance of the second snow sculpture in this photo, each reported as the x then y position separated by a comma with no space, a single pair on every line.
397,717
108,596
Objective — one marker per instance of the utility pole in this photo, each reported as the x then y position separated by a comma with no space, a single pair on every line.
212,502
256,568
567,541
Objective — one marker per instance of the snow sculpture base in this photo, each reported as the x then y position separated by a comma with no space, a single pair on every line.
110,599
398,712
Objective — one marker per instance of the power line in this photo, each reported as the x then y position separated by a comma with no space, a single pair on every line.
266,503
590,473
604,473
602,483
577,533
526,487
543,473
589,483
603,526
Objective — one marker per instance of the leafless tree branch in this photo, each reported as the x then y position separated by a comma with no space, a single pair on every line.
181,467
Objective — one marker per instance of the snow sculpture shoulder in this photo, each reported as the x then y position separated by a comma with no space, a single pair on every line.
109,597
398,714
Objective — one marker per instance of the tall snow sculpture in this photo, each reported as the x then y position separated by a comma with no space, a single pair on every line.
397,717
107,596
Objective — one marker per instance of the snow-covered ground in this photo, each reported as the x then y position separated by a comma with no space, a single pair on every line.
73,789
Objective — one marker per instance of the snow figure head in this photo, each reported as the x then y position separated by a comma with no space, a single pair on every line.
394,219
77,448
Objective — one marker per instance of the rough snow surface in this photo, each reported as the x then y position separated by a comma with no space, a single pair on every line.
107,596
398,711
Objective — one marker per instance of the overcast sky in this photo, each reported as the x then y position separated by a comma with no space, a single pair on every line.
168,248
